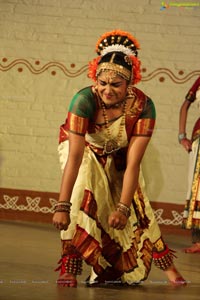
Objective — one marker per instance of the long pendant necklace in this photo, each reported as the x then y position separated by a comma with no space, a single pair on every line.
112,145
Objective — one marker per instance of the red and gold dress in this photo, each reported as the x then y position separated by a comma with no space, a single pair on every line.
113,254
191,216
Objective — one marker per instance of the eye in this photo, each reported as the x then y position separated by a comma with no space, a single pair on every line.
116,84
103,83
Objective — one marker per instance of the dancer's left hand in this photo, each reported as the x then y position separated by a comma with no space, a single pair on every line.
117,220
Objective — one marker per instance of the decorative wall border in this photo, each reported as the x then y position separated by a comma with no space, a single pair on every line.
34,206
25,205
36,68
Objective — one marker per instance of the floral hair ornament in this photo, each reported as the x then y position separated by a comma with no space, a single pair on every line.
125,46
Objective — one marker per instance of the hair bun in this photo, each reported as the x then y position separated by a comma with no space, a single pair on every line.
117,40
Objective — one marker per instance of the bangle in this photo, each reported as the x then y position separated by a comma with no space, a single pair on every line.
62,206
124,209
181,136
59,209
64,203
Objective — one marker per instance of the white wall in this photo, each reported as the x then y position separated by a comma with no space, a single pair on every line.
39,37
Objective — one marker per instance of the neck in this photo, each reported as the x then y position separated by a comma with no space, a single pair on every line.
115,105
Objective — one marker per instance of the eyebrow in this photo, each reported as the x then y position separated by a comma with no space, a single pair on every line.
112,82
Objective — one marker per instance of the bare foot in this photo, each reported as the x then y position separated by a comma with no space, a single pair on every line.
195,248
174,276
68,280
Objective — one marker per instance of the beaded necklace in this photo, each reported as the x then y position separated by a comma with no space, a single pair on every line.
111,145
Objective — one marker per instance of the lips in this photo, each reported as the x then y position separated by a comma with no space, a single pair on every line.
108,96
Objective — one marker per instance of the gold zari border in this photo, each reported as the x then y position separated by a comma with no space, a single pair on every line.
144,127
77,124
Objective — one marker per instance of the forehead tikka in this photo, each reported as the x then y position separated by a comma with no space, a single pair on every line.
120,70
110,75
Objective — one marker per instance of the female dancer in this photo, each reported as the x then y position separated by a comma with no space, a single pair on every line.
103,212
191,217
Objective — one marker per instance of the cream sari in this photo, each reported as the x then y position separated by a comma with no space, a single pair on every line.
126,253
191,215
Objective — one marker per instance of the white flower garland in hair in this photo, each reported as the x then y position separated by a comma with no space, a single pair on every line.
117,48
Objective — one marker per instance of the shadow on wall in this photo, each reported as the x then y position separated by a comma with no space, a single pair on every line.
152,172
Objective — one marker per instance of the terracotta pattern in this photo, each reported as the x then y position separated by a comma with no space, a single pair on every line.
37,68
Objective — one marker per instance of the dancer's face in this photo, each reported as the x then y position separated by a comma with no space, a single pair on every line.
111,87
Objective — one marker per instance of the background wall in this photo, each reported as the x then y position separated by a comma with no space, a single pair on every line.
45,48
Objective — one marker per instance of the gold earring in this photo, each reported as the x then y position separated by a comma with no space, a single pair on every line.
130,90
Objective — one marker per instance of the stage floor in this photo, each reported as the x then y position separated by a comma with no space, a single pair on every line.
29,254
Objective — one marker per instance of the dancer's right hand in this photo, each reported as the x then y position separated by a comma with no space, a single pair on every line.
61,220
187,144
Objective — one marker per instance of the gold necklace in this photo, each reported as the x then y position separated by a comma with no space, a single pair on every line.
112,145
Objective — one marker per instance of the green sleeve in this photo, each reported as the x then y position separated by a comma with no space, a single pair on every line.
149,111
83,103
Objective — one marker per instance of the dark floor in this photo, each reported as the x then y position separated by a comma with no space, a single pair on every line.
28,256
